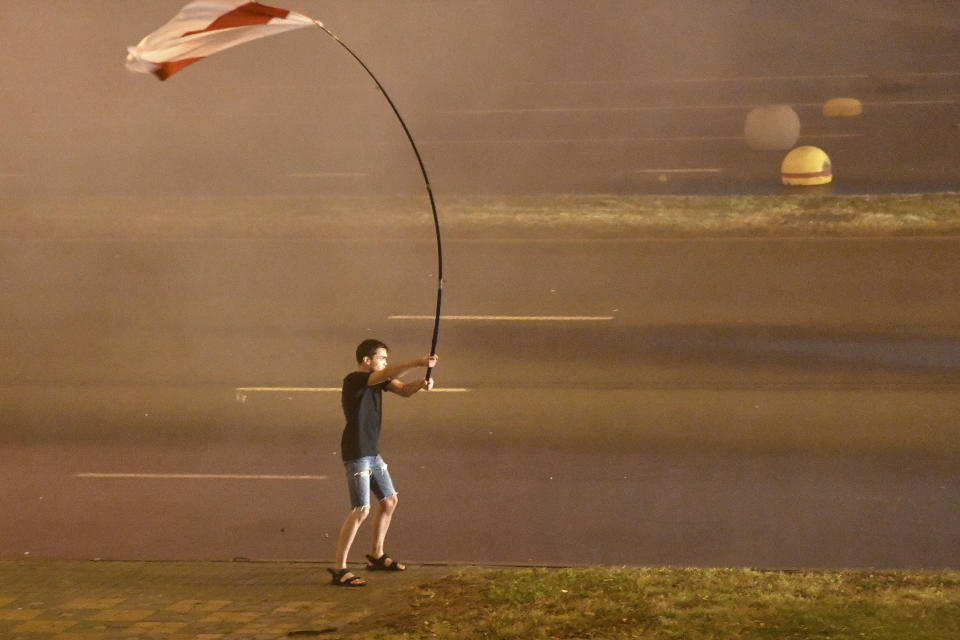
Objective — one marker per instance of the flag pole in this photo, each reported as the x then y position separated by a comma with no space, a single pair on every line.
426,180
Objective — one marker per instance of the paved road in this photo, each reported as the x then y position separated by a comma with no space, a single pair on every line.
688,136
720,402
502,97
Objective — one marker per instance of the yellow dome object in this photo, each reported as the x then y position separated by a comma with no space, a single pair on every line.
806,165
772,127
842,108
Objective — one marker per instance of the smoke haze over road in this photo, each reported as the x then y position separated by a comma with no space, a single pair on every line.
295,113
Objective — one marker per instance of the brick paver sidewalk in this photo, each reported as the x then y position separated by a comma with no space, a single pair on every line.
63,600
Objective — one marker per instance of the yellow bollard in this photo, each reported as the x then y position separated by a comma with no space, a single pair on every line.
842,108
772,127
806,166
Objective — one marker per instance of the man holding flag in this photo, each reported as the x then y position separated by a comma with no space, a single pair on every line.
361,398
205,27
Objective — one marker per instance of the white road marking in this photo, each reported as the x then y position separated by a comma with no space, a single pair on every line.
634,109
708,79
191,476
510,318
807,136
678,107
908,102
330,389
581,140
291,389
327,174
745,78
737,138
677,171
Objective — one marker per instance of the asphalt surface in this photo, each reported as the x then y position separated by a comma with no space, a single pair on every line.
504,97
765,403
687,137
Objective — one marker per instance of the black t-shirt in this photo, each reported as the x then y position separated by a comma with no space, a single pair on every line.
362,409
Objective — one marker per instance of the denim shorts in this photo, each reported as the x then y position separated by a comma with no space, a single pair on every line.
365,475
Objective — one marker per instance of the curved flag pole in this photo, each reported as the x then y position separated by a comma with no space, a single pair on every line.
426,180
204,27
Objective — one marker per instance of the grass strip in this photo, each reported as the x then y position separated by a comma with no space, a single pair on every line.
669,603
602,216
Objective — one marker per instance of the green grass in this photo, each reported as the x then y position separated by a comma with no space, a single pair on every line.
691,604
599,216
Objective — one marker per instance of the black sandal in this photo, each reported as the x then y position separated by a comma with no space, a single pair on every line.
383,563
343,578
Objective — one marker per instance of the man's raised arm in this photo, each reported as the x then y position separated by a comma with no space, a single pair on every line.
395,370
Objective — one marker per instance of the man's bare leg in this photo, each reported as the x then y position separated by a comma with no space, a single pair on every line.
348,532
381,524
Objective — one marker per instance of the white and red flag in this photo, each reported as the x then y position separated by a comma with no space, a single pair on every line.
205,27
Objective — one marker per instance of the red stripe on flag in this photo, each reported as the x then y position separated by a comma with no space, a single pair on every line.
246,15
813,174
166,69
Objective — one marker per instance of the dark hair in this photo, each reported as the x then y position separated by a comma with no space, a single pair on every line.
368,348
